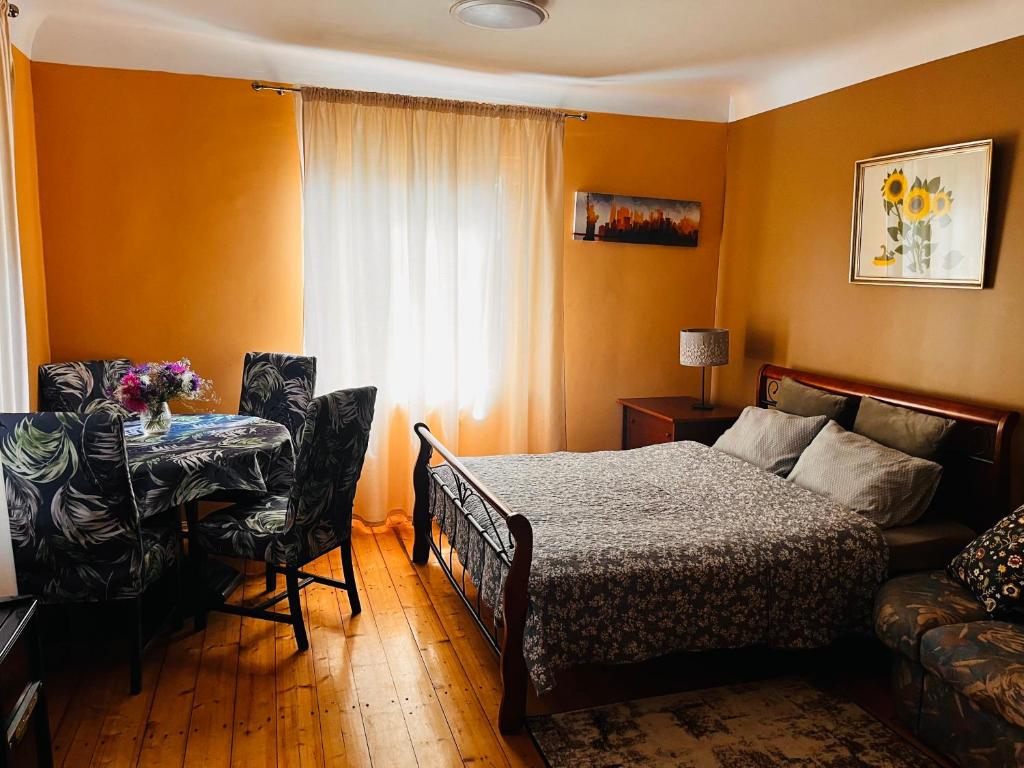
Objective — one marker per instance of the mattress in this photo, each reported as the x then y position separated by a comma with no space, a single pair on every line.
667,548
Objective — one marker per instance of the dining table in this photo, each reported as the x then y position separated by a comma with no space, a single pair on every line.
204,455
212,457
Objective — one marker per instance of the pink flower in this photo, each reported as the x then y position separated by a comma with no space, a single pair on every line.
134,404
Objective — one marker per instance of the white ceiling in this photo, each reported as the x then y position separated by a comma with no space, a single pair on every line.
699,59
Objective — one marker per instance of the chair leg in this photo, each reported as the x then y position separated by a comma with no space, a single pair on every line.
350,577
271,577
179,588
135,660
295,608
197,556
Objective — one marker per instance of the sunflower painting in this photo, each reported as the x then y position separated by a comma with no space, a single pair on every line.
925,222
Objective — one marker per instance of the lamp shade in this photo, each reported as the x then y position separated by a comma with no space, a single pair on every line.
703,346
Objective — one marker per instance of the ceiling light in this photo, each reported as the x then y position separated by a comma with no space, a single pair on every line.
499,14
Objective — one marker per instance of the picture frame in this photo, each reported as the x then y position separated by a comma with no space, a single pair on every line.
617,218
920,218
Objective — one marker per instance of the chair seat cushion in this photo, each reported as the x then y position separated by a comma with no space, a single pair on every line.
983,661
249,529
925,546
908,606
105,580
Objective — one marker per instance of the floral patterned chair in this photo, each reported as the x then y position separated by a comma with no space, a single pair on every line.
278,387
81,386
958,677
75,528
287,532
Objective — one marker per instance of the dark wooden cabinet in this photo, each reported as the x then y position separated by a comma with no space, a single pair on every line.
651,420
26,738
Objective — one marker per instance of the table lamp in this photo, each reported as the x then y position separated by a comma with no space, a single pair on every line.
703,347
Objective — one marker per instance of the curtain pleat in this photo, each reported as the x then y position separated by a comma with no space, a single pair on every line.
13,344
433,270
13,349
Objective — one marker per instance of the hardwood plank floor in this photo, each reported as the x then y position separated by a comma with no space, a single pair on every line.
410,681
404,683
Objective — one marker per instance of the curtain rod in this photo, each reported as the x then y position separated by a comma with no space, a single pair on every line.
281,90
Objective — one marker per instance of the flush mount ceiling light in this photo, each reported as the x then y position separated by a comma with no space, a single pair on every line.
499,14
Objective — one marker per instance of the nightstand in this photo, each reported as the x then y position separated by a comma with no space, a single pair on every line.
651,420
26,741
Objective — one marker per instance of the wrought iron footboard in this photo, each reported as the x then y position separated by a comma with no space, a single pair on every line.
503,629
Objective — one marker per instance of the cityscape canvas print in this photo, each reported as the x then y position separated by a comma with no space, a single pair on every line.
919,218
646,220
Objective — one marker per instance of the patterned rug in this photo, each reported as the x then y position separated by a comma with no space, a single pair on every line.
776,722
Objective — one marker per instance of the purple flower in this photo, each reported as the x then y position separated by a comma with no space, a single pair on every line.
151,384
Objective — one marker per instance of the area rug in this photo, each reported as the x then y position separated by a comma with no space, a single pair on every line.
777,722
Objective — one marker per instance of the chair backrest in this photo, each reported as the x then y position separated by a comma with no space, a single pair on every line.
278,387
81,386
74,523
327,468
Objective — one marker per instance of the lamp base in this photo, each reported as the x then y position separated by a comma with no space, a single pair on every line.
703,407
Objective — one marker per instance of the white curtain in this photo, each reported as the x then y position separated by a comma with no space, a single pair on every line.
433,271
13,350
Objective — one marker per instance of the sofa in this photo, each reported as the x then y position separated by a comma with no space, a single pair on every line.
958,675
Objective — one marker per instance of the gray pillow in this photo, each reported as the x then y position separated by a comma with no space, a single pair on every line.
886,486
796,398
769,439
918,434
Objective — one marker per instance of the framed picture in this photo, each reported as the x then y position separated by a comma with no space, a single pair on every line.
919,218
645,220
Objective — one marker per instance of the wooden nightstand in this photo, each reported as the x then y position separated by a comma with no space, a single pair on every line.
26,741
650,420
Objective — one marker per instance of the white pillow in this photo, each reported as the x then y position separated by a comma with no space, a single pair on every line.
884,485
771,440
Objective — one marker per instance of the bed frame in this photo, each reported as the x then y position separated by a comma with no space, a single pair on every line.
975,489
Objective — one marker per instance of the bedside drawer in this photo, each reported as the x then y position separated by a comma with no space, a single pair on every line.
26,733
640,429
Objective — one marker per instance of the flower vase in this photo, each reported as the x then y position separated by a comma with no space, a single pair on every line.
156,421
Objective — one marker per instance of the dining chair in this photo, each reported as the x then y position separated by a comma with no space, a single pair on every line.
278,387
75,528
81,386
288,532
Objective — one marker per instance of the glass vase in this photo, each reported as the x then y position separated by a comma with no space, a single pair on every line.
156,421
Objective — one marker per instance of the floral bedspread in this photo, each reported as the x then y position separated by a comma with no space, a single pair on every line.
673,547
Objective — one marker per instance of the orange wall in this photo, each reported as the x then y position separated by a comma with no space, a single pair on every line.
625,304
783,285
30,233
172,218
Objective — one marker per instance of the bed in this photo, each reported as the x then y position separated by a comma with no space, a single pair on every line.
620,556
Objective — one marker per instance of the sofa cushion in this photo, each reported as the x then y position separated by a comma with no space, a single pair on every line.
982,660
909,606
925,546
992,566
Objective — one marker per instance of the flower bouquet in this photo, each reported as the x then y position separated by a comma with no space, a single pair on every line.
147,388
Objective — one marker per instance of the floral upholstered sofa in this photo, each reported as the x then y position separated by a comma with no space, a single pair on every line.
958,676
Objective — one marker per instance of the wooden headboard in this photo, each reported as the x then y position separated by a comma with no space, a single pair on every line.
975,487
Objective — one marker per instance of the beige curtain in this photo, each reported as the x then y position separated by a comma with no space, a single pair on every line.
13,355
433,270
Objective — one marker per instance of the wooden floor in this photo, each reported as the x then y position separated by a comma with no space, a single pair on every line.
409,681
